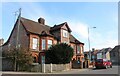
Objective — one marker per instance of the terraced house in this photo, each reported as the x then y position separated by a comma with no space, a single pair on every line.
37,37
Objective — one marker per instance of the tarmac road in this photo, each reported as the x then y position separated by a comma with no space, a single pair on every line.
74,72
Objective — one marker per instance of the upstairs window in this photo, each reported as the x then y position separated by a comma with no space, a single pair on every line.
49,43
35,43
43,44
78,49
65,33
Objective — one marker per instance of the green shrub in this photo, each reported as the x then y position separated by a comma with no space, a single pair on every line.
59,54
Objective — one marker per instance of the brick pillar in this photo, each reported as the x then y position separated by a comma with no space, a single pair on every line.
81,65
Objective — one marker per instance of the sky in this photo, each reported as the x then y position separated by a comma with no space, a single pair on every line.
79,15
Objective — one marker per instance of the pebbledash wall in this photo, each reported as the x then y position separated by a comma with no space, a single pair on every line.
48,68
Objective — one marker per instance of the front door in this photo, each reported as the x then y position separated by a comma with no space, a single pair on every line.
43,59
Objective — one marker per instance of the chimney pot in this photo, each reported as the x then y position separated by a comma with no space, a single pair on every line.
41,21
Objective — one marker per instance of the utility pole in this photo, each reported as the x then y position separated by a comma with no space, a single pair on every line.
17,39
15,13
18,26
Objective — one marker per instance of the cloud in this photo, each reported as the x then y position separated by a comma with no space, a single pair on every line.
105,44
36,11
115,18
98,40
79,28
33,12
108,39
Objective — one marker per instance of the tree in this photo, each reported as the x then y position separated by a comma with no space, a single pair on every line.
59,54
20,57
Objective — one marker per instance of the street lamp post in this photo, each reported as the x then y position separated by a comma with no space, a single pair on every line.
89,44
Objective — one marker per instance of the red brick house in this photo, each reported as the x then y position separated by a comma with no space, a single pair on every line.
37,37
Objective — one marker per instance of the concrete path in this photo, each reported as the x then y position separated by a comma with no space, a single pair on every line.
60,72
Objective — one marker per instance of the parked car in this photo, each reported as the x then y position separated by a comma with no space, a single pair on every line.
103,63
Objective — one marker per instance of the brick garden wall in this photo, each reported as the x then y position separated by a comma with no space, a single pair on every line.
7,65
47,68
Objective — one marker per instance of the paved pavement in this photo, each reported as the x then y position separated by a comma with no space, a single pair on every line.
63,72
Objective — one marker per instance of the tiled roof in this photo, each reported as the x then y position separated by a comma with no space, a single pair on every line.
95,52
74,40
104,50
37,28
116,49
56,27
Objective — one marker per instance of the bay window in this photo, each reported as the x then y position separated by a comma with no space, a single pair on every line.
35,43
81,49
49,43
43,44
74,47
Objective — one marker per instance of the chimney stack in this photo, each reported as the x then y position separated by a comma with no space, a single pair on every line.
1,42
41,21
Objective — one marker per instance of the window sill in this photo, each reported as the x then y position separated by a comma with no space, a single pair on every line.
79,54
65,37
35,63
34,50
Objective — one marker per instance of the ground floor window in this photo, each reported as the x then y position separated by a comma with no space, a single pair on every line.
78,60
35,43
81,49
78,49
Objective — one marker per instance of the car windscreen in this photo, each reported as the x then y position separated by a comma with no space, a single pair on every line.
99,60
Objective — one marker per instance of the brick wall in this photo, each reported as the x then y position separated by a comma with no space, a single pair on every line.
35,52
7,65
47,68
18,37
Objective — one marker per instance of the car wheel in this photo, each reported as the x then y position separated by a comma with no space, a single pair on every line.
96,67
110,66
106,67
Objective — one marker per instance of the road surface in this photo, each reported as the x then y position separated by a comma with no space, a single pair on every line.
74,72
